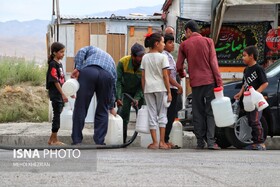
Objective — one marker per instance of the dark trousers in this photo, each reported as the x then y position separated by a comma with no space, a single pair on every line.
124,112
92,79
203,118
57,109
171,114
254,118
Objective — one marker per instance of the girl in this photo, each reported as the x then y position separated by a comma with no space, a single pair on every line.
155,83
54,80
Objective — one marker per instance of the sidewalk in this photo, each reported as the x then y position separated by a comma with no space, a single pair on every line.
30,134
38,134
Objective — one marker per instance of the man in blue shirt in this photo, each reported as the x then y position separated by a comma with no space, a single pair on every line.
96,72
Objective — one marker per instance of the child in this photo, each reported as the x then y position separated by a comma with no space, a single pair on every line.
175,87
54,80
155,84
255,76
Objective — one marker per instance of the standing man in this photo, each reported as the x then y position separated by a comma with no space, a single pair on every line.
129,81
96,72
204,75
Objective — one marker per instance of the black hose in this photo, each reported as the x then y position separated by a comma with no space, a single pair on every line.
82,147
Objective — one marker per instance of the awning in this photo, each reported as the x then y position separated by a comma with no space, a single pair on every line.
219,8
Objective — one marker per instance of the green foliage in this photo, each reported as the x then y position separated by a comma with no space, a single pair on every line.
23,96
16,114
15,70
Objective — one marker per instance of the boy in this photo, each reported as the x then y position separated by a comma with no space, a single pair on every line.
175,87
255,76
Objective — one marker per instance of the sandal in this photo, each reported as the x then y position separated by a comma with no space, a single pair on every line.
175,147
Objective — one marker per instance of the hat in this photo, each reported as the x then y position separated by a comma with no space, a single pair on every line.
137,49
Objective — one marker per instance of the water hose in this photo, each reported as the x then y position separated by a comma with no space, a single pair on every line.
81,147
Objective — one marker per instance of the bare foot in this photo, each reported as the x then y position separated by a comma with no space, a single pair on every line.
163,146
153,146
57,143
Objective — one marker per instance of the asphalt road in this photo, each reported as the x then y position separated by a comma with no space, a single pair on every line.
134,166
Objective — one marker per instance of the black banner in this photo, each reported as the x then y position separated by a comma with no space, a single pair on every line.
233,38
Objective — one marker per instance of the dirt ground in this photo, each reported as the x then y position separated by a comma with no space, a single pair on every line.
24,100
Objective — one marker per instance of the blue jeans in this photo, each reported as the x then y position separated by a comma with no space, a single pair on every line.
92,79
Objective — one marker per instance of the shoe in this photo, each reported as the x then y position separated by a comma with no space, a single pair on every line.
77,144
214,147
200,146
260,147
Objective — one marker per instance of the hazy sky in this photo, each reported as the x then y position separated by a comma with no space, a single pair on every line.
24,10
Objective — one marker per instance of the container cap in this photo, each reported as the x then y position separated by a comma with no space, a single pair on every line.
218,89
247,93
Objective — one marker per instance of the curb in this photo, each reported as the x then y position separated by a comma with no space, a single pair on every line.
32,134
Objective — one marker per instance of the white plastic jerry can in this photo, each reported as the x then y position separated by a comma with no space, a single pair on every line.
114,134
176,134
258,99
222,110
142,121
249,106
66,121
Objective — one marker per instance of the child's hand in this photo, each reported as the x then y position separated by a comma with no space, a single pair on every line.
169,97
237,96
73,96
180,90
65,99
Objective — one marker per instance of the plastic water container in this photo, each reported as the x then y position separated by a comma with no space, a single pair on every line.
258,99
165,101
249,106
176,134
114,134
222,110
66,121
142,121
146,139
70,87
236,109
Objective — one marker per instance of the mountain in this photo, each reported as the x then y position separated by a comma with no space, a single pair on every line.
126,12
27,39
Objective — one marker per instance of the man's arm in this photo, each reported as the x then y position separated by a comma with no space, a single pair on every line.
180,61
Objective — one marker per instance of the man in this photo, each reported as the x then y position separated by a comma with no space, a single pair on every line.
129,81
96,72
204,75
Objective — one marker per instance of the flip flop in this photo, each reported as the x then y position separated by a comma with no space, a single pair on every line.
175,147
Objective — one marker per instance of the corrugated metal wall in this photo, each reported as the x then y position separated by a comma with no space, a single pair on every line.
197,10
201,10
